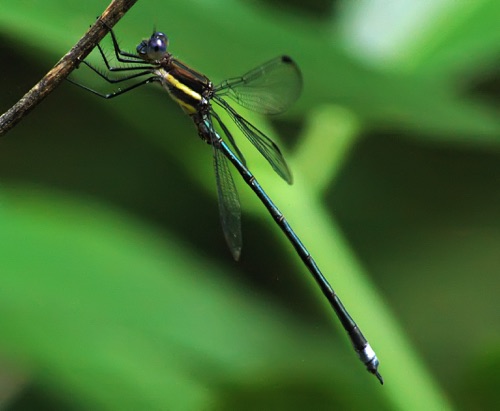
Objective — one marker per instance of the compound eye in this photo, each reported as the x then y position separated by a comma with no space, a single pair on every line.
157,46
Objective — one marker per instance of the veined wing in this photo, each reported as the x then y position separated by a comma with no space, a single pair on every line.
269,89
229,136
264,144
229,202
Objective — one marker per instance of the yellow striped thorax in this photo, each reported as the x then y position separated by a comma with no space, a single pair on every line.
186,86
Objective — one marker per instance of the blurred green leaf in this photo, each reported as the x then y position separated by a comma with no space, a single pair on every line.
128,263
405,100
117,316
428,39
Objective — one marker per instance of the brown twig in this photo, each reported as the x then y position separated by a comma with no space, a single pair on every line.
113,13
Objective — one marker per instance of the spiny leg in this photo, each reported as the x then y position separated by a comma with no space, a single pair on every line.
131,57
120,79
139,64
119,91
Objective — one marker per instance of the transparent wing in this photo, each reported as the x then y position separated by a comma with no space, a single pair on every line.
229,136
229,204
269,89
264,144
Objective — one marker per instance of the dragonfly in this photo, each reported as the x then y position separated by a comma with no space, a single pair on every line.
268,89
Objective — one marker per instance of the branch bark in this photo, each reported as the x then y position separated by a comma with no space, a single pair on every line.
113,13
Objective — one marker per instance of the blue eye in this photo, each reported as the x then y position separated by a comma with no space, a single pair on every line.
155,48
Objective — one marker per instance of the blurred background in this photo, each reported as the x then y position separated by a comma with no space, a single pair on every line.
117,289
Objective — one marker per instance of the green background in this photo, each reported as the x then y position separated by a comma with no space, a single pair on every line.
117,290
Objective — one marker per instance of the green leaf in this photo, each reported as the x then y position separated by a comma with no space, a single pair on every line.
331,75
118,313
114,315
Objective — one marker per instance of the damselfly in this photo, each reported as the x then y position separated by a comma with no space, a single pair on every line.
269,89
